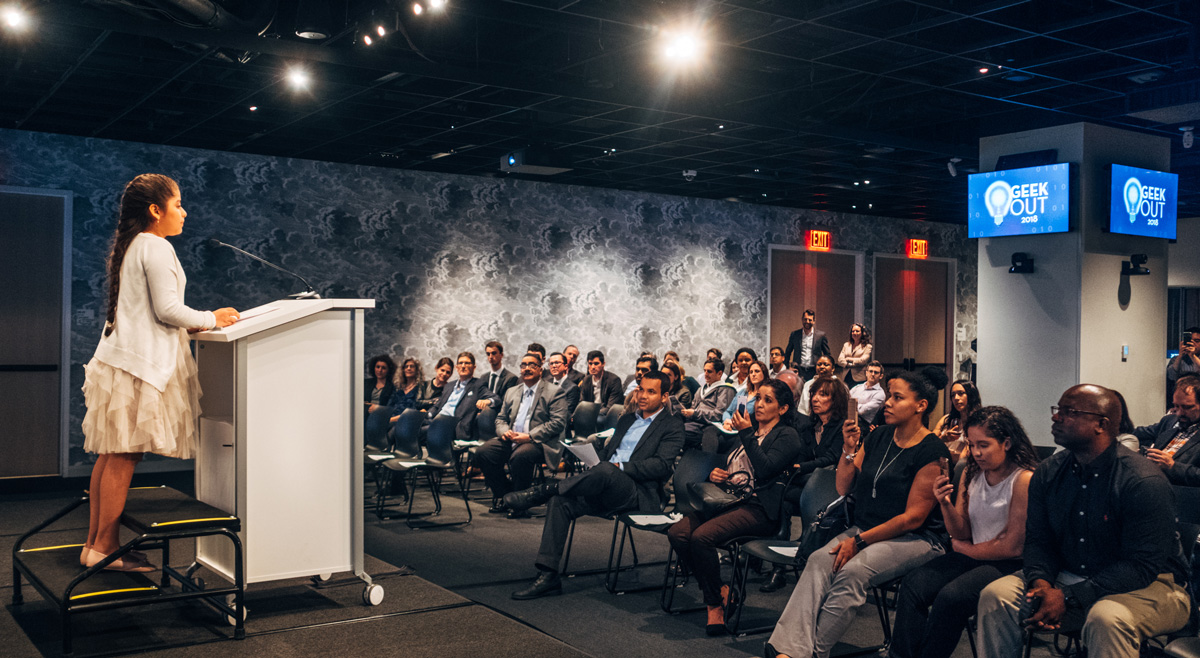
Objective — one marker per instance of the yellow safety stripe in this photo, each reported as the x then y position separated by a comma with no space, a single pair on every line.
138,488
113,591
49,548
215,518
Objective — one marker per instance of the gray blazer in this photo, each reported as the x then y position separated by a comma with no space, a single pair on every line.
547,418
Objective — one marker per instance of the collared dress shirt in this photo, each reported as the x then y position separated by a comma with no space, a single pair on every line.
522,424
632,436
452,401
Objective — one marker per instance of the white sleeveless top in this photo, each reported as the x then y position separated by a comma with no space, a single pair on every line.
988,506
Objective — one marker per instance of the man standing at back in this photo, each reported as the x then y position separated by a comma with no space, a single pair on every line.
1101,546
805,346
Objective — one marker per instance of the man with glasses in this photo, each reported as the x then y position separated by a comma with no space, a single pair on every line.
560,377
1174,442
461,400
645,363
1101,549
528,429
708,405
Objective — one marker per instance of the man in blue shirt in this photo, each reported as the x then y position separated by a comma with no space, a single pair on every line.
632,475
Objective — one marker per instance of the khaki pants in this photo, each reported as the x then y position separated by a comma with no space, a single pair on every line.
1114,628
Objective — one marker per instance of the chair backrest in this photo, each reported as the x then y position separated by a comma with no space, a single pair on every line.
818,492
693,466
1187,504
439,440
584,423
406,434
691,384
1045,451
485,423
610,419
375,429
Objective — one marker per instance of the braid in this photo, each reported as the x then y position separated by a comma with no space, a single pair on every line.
134,218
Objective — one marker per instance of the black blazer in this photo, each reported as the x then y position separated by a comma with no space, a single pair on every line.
575,376
653,460
820,347
771,460
1186,471
610,391
384,396
466,409
506,381
827,452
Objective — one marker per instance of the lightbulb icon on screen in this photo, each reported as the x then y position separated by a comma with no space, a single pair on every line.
1133,198
998,197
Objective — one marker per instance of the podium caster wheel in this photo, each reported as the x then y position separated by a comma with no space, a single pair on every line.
230,619
192,568
373,594
198,583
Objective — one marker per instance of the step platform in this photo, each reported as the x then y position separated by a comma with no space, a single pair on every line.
158,516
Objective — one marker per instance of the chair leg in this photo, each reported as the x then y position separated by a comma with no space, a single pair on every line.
567,553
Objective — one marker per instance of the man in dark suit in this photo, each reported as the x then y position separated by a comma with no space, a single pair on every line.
498,379
461,400
572,354
528,429
1174,442
632,474
601,387
560,377
807,345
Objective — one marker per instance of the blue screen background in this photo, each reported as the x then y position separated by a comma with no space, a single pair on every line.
1048,214
1118,221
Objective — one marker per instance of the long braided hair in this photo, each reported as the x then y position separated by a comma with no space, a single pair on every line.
134,217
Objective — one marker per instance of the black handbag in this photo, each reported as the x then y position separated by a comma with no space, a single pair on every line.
710,498
831,522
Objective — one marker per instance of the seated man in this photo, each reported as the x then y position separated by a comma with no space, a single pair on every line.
1100,542
560,376
645,363
528,428
632,475
603,388
1173,442
709,403
870,394
461,400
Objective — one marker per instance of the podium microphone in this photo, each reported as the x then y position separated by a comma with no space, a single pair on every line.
307,294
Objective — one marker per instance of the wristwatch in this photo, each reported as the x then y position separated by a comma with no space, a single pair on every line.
859,543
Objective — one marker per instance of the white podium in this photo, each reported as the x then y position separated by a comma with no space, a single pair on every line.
280,439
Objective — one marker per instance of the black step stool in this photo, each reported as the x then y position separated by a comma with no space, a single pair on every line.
158,515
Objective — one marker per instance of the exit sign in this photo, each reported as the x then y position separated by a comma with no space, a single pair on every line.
819,240
918,248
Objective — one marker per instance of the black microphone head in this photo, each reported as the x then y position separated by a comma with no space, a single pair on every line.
213,242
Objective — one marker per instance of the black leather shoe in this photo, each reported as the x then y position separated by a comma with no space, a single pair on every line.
776,581
519,501
498,507
547,583
514,514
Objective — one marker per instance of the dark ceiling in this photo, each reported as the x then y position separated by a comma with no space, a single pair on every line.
798,99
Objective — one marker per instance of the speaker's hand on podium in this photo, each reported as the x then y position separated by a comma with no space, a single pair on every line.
226,316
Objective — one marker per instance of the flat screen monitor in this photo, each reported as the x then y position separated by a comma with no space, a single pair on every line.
1019,201
1143,202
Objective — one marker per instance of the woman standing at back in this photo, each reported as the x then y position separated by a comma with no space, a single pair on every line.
140,387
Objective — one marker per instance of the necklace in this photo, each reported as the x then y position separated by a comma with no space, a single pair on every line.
883,467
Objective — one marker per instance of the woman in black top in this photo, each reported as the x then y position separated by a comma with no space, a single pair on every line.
827,403
766,452
431,390
896,525
378,388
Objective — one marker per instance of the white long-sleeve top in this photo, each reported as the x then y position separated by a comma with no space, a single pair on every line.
150,311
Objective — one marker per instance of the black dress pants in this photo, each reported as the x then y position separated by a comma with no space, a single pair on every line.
936,600
602,489
695,540
521,458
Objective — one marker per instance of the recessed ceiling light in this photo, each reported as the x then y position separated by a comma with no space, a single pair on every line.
417,8
856,183
682,46
380,31
866,182
367,39
253,108
721,127
983,69
298,77
15,18
437,4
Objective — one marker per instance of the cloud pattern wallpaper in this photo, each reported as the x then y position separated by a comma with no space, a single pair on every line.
454,261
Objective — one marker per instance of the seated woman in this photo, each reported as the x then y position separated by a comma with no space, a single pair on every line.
757,375
431,390
896,527
408,386
765,453
856,354
987,524
824,366
964,400
681,396
378,388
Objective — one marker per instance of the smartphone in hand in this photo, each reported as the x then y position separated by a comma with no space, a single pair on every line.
945,465
852,410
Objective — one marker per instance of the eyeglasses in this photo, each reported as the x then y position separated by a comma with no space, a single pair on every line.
642,370
1056,410
530,366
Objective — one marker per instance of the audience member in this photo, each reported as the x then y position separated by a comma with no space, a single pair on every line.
408,386
777,363
645,363
431,391
498,379
378,388
896,525
528,429
632,474
708,405
805,345
870,393
747,395
764,454
681,396
1184,363
987,526
1100,543
572,354
560,376
1125,430
856,355
790,378
1172,442
603,388
460,401
824,368
540,350
740,373
964,401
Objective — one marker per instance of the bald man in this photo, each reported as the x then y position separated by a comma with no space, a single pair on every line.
790,378
1100,543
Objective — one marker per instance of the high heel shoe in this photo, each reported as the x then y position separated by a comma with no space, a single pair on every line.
125,563
87,552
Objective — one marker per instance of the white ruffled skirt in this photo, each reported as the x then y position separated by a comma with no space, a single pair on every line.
127,414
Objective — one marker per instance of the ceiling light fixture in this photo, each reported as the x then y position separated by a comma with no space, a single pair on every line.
721,127
253,108
417,8
682,46
15,18
866,182
983,69
367,39
298,77
437,5
952,166
313,20
380,31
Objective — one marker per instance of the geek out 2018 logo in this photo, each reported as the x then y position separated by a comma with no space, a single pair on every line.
1019,201
1143,202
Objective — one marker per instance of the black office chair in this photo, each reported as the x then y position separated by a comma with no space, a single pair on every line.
439,461
584,423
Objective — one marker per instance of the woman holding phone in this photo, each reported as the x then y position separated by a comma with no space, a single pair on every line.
964,400
896,524
987,526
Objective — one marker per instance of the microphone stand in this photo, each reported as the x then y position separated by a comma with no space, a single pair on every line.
310,293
